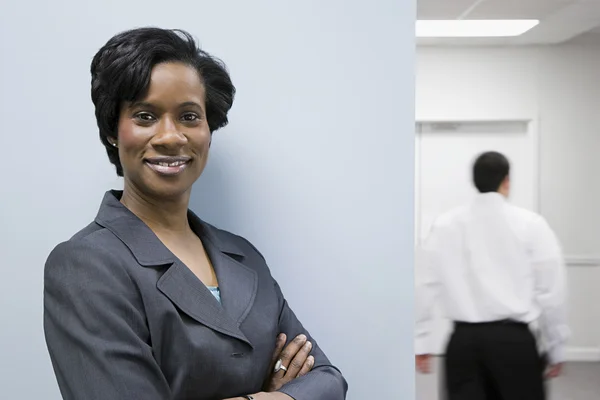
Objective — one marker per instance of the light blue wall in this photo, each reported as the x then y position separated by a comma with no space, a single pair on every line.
316,167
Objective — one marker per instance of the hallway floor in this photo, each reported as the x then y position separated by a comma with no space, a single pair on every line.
581,381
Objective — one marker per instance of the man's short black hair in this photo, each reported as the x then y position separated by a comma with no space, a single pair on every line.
121,73
489,171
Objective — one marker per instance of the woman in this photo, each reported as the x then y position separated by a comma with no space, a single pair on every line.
148,301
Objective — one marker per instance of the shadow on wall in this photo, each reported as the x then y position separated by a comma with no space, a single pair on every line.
212,195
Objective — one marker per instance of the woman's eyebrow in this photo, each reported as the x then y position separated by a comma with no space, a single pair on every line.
145,104
141,104
190,104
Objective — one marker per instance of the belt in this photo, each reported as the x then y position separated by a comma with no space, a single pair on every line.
503,322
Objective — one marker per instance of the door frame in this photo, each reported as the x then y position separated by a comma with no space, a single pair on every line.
532,134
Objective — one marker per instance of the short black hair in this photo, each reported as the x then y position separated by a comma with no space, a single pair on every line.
489,171
121,72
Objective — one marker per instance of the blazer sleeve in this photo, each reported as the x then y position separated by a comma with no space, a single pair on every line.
95,327
324,382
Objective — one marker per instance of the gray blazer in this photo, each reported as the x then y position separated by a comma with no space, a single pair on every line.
124,319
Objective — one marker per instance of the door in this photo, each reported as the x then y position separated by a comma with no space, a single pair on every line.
444,154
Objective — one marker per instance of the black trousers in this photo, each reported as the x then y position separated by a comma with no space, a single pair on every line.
493,361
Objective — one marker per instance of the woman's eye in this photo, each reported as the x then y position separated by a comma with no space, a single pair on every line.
190,117
144,116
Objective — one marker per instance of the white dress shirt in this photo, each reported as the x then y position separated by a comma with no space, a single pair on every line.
490,261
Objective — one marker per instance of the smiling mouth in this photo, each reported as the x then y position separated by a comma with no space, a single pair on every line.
168,166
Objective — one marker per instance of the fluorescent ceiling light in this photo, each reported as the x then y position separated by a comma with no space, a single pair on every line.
473,28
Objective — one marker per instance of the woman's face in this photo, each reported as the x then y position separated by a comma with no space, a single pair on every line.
164,138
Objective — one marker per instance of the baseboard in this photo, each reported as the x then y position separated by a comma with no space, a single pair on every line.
582,354
583,260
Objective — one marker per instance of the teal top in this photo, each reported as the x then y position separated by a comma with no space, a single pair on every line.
216,292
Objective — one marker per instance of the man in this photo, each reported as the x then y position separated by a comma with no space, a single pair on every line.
498,270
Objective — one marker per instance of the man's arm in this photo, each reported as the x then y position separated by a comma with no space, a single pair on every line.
550,289
425,294
426,287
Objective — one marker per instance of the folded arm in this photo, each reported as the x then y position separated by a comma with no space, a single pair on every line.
324,382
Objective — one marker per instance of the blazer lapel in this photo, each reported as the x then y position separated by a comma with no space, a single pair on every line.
186,291
237,282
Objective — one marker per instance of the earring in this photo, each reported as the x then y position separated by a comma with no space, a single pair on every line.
114,144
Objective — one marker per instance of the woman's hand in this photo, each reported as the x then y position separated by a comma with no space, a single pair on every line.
295,358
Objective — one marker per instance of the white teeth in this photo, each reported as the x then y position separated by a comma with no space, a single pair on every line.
174,164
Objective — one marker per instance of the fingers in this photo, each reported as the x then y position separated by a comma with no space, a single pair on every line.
294,357
554,371
307,367
289,352
281,339
299,360
423,363
279,343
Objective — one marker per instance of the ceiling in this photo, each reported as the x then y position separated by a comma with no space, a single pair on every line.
560,20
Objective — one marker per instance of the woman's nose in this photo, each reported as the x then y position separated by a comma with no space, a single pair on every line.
169,133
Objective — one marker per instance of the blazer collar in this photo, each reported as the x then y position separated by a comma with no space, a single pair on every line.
142,242
238,283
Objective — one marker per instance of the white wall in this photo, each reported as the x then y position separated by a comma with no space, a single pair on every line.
316,167
557,87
